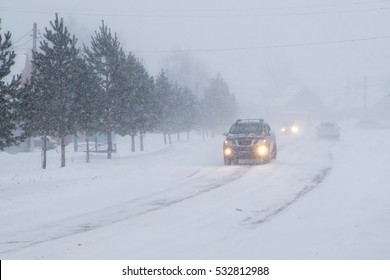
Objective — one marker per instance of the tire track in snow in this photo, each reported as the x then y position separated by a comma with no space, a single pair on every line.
118,213
194,185
316,180
272,211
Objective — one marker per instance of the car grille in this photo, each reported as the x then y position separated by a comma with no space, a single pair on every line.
243,149
244,152
245,142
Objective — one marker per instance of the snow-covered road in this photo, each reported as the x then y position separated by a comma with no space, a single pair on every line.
321,199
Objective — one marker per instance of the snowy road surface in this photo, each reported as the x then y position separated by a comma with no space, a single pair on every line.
321,199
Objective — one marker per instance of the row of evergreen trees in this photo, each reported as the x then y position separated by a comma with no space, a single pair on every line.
8,91
99,89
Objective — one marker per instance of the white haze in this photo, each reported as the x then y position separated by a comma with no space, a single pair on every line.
338,72
320,199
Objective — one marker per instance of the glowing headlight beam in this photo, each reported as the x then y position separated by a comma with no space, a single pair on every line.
262,150
228,151
294,129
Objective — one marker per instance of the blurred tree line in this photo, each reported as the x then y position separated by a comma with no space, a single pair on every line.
99,88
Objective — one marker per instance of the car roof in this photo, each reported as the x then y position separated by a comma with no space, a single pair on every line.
250,121
328,123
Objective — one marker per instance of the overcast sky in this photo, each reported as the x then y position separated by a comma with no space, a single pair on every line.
257,46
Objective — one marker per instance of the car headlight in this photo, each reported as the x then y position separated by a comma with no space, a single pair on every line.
294,129
283,129
228,142
228,151
262,150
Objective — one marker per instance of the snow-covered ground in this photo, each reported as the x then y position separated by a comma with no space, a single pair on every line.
320,199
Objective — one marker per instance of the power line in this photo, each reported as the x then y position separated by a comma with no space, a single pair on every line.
266,47
134,13
253,47
22,37
355,3
21,45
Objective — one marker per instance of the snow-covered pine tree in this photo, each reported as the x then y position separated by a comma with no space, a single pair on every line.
54,85
219,105
176,112
184,110
145,102
35,114
105,56
126,115
8,91
88,103
136,111
188,110
165,104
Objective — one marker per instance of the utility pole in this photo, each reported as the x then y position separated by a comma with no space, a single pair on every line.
35,36
30,142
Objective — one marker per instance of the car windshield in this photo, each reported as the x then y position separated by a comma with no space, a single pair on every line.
246,128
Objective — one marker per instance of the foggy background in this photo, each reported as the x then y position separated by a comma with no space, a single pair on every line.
294,60
266,51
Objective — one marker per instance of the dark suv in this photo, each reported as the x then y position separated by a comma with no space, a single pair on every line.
251,140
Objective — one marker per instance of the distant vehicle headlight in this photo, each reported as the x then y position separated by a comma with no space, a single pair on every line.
262,150
228,142
228,151
294,129
283,129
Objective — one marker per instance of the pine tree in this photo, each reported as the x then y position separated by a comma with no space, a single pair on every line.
105,57
8,92
146,100
127,108
35,113
136,111
88,103
188,110
183,112
54,86
165,104
219,105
